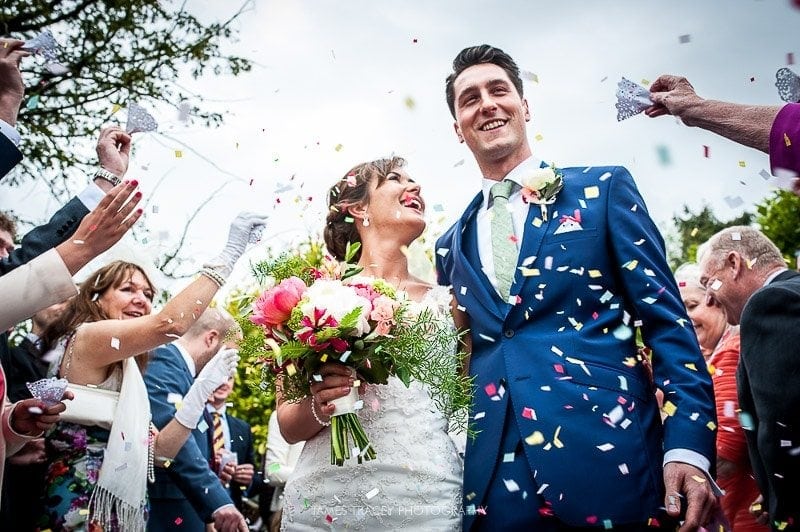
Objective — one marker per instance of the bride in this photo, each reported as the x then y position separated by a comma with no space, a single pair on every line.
415,481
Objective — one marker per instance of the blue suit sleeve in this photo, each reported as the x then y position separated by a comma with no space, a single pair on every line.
189,470
679,368
39,239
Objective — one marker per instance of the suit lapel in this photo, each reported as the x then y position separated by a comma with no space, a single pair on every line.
466,249
532,237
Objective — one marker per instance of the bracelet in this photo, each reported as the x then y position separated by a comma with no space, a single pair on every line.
314,411
105,175
213,275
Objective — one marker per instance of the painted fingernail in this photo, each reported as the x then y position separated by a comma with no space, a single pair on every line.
134,183
139,211
138,195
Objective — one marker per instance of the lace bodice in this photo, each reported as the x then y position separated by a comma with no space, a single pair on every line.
413,484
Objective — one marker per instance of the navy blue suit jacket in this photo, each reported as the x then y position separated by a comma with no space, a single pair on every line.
188,490
565,360
9,155
769,393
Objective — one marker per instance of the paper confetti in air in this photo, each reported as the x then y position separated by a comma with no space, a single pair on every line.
606,447
734,201
591,192
139,120
511,485
632,99
788,84
683,39
530,76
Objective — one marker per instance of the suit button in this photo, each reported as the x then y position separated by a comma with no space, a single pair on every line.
509,333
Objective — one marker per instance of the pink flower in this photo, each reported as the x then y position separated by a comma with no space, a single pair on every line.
365,291
383,328
529,196
275,306
383,309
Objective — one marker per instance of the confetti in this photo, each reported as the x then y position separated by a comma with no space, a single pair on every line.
530,76
706,151
716,285
178,154
683,39
535,439
605,447
370,494
115,343
511,485
410,103
664,157
591,192
669,408
139,120
508,457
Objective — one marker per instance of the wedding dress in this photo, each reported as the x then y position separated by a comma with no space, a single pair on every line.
413,484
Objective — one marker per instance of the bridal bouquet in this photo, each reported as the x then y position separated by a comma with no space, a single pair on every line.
317,313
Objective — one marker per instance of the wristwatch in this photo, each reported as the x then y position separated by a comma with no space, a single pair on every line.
105,175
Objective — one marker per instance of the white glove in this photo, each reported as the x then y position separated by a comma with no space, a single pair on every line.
221,368
243,228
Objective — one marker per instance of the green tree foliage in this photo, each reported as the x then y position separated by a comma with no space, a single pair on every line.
779,218
695,228
116,51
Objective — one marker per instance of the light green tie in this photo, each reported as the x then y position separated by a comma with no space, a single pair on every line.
504,250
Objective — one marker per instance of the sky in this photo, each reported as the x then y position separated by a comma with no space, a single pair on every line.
338,83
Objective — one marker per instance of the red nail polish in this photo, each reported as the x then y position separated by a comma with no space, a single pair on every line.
134,183
139,211
138,195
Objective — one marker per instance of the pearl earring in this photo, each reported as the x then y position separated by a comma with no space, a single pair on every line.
366,221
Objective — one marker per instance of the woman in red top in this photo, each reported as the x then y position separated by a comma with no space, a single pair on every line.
719,343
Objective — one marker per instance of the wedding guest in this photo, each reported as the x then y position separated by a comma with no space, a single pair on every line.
719,343
552,279
188,494
279,465
744,272
99,339
415,483
12,90
773,129
47,279
229,434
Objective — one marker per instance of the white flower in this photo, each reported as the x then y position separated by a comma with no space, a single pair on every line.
539,179
337,300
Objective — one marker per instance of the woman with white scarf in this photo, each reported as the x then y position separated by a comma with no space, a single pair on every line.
98,468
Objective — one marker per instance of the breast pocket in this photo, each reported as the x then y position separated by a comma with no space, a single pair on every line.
583,234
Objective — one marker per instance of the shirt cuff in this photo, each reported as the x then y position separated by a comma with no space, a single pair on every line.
229,505
91,196
10,131
687,456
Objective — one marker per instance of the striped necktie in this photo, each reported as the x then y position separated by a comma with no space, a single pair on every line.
218,439
504,249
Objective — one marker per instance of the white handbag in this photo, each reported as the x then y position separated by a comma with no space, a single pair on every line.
91,406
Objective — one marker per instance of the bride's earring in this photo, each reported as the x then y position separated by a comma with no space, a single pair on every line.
366,221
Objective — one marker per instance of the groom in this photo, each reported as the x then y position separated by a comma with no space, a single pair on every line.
569,433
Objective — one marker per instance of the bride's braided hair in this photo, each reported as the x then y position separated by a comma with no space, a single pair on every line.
350,191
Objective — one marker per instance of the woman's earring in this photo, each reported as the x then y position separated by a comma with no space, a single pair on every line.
366,221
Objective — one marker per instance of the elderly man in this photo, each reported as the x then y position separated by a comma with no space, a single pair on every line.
746,274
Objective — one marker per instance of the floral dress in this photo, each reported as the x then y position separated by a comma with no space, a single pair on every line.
74,454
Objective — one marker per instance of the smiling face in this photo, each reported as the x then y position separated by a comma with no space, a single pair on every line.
396,203
707,316
131,298
490,118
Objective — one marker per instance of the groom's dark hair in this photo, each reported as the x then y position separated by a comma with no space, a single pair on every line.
476,55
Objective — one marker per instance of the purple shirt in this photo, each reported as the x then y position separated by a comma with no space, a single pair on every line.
784,139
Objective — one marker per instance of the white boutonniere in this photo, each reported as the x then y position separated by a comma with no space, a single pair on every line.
542,186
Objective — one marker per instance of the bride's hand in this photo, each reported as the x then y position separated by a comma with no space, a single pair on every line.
337,380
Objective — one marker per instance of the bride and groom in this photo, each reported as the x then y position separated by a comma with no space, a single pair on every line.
549,270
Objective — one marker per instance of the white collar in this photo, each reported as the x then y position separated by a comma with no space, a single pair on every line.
186,358
773,275
221,411
528,165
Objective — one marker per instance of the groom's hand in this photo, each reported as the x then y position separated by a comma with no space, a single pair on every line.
688,485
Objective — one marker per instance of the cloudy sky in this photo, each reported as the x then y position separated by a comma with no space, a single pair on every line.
337,83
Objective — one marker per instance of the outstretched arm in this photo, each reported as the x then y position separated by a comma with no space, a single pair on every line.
746,124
